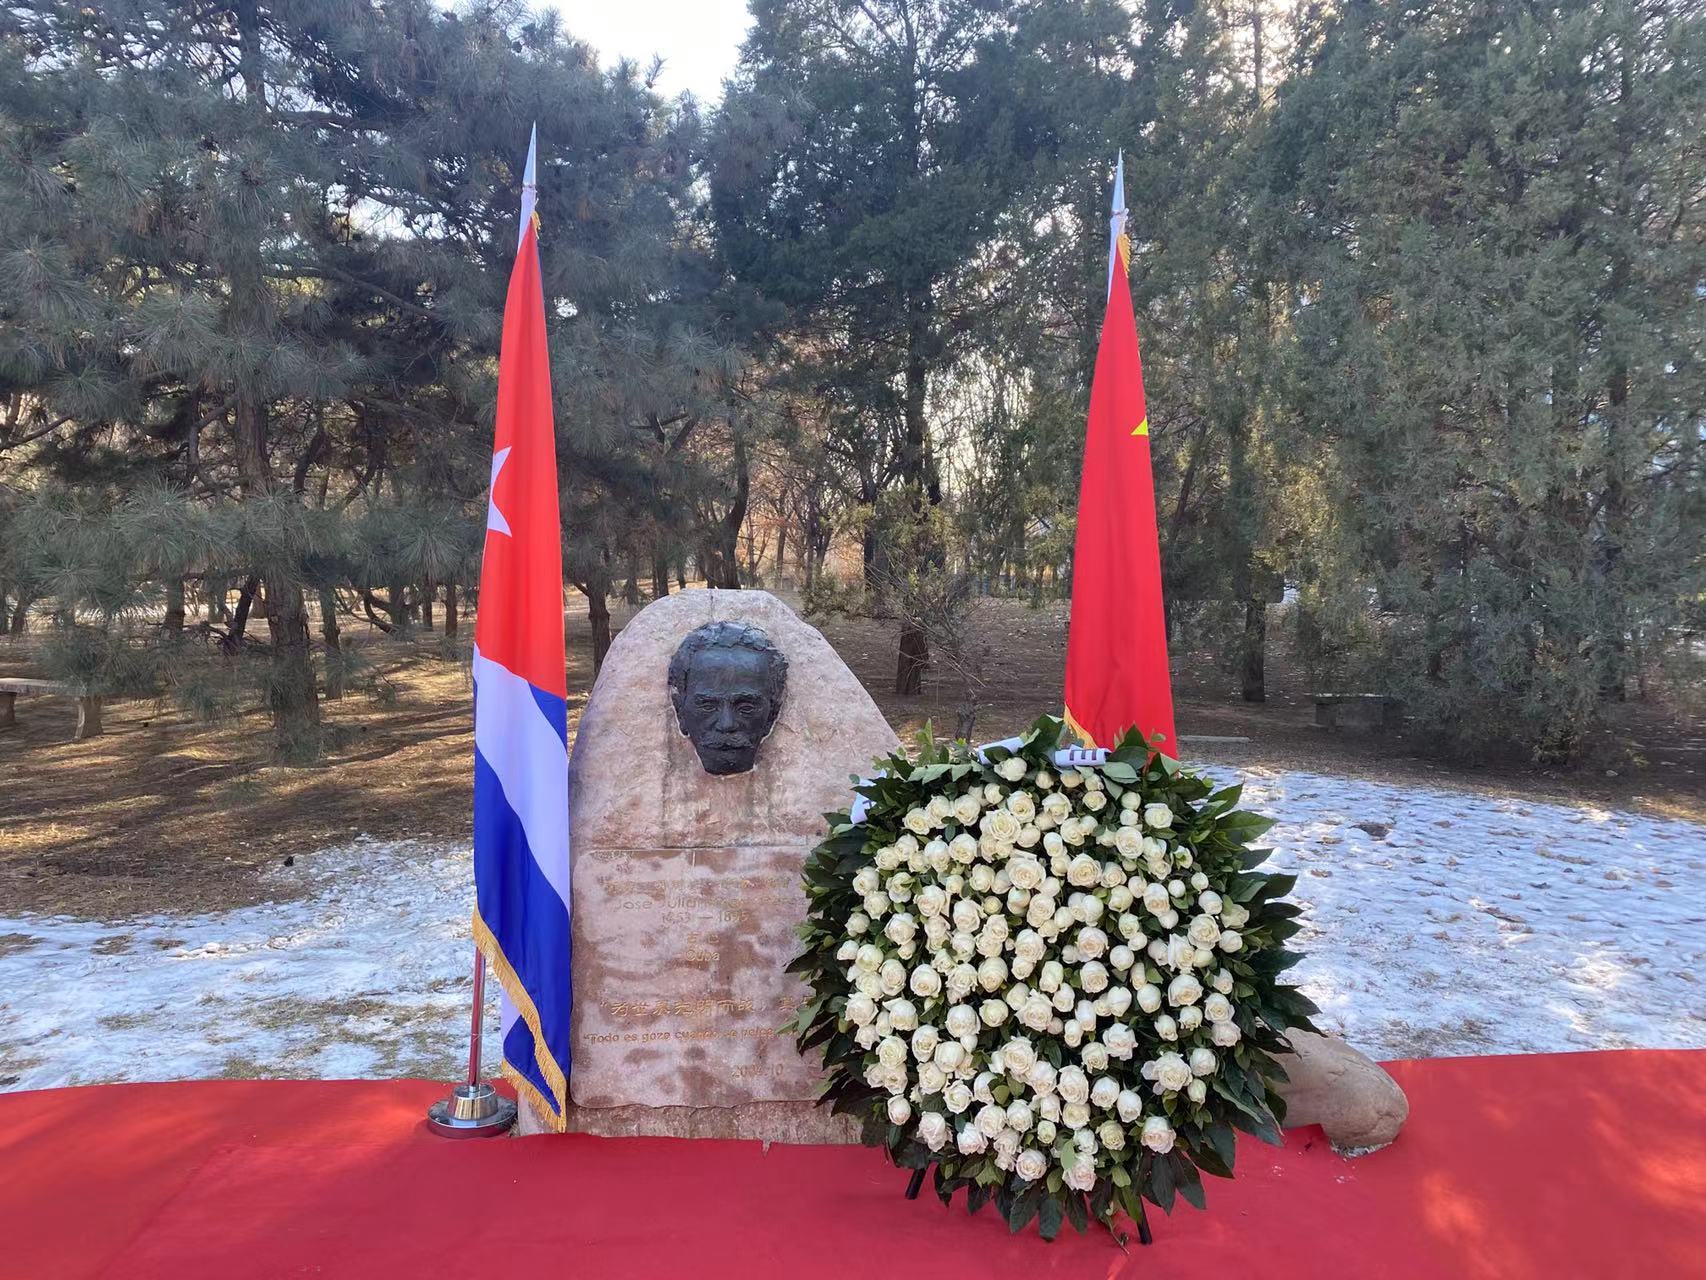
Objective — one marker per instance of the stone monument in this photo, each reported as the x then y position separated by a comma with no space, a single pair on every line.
719,732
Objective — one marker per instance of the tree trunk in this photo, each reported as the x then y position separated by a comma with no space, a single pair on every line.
598,610
175,608
660,575
21,613
429,590
1255,650
240,615
914,657
452,621
334,643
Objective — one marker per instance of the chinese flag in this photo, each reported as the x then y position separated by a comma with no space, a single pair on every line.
1116,651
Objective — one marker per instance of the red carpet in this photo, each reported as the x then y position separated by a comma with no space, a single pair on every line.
1583,1165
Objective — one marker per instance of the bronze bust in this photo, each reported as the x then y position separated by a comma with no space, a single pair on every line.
726,680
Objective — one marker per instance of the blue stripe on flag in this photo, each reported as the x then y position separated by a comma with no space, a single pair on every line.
555,709
525,915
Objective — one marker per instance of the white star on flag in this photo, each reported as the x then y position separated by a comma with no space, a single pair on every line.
495,518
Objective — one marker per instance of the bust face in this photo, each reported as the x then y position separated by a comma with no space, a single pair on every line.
725,705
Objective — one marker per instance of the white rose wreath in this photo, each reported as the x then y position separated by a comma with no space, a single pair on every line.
1060,987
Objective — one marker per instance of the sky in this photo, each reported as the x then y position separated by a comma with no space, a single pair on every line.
697,39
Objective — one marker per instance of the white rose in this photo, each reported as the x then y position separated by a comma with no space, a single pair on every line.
1019,1115
1166,1027
936,930
1000,825
1202,1061
1083,871
1122,957
1082,1175
1172,1072
1210,902
1181,955
1183,990
966,916
1048,1107
847,951
1155,899
1075,1115
1104,1092
957,1096
1012,768
1225,1034
1092,942
868,984
1119,1001
1031,1164
1022,806
991,1119
926,981
931,1078
1190,1018
1158,816
1041,1077
1094,800
924,1042
891,1052
893,977
1217,1008
869,958
992,974
1057,806
1234,915
1196,1091
1157,950
861,1009
1223,982
917,821
877,904
1093,977
971,1141
1045,780
866,880
966,809
1025,872
1019,1055
900,929
1028,836
961,1021
933,1130
1036,1012
963,848
931,900
1120,1041
1149,997
1094,1056
1111,1135
900,1110
949,1055
962,981
1203,931
1129,1105
1230,941
1046,1132
1158,1135
1063,1000
867,1036
993,1012
1073,1085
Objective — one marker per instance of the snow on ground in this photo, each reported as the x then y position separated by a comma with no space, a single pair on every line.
1436,923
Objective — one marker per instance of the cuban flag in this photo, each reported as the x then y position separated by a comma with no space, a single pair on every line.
521,782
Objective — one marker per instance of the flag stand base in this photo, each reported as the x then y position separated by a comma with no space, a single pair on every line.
474,1109
471,1111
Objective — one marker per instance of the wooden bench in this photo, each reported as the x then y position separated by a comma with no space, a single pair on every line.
1359,710
88,704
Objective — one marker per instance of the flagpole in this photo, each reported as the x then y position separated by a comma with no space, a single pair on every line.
474,1108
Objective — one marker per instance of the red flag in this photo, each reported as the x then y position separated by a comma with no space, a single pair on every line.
1116,650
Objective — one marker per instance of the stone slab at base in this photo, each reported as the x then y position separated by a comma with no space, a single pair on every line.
798,1122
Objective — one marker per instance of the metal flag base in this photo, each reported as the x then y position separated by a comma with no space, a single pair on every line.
473,1109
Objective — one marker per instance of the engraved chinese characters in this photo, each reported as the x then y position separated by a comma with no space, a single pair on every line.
687,881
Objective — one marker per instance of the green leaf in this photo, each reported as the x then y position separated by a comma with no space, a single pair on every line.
1048,1218
1075,1211
1025,1206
